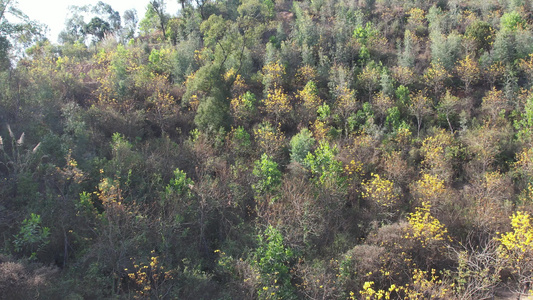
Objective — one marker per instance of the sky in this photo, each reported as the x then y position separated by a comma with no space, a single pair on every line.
53,13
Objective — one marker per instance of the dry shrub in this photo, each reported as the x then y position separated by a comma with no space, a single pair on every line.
19,280
318,280
297,213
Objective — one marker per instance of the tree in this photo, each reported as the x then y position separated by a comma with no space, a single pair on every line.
382,195
369,78
482,34
272,260
268,176
407,56
435,77
485,143
347,105
512,21
438,151
493,103
517,249
97,27
326,169
310,100
270,139
159,7
244,107
445,50
16,29
448,106
419,107
425,228
301,144
155,18
104,20
468,71
277,104
130,25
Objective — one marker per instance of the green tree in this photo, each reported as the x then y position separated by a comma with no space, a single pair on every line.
155,19
131,21
32,236
326,169
268,175
17,30
301,144
512,21
482,34
104,20
273,259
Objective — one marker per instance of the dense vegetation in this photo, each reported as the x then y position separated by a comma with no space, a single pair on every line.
259,149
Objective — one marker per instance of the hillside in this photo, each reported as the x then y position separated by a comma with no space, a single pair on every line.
259,149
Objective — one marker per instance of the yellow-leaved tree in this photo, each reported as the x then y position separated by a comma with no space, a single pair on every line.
468,70
382,195
277,104
517,249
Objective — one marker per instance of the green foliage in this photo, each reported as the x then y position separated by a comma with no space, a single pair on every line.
324,112
127,121
525,124
326,169
402,93
386,82
512,21
180,184
301,144
363,34
32,236
394,119
267,174
16,30
241,140
363,117
445,50
406,56
212,115
273,259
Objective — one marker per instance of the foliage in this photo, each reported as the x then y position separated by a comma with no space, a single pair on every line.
268,176
180,184
270,139
133,155
516,248
149,278
277,104
382,194
512,21
272,259
301,144
244,106
326,169
32,236
468,71
425,228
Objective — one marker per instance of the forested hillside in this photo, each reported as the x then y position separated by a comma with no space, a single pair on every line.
260,149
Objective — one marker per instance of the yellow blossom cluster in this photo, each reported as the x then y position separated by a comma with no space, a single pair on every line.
309,98
269,138
272,75
424,284
277,103
429,189
518,243
148,277
425,228
380,191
